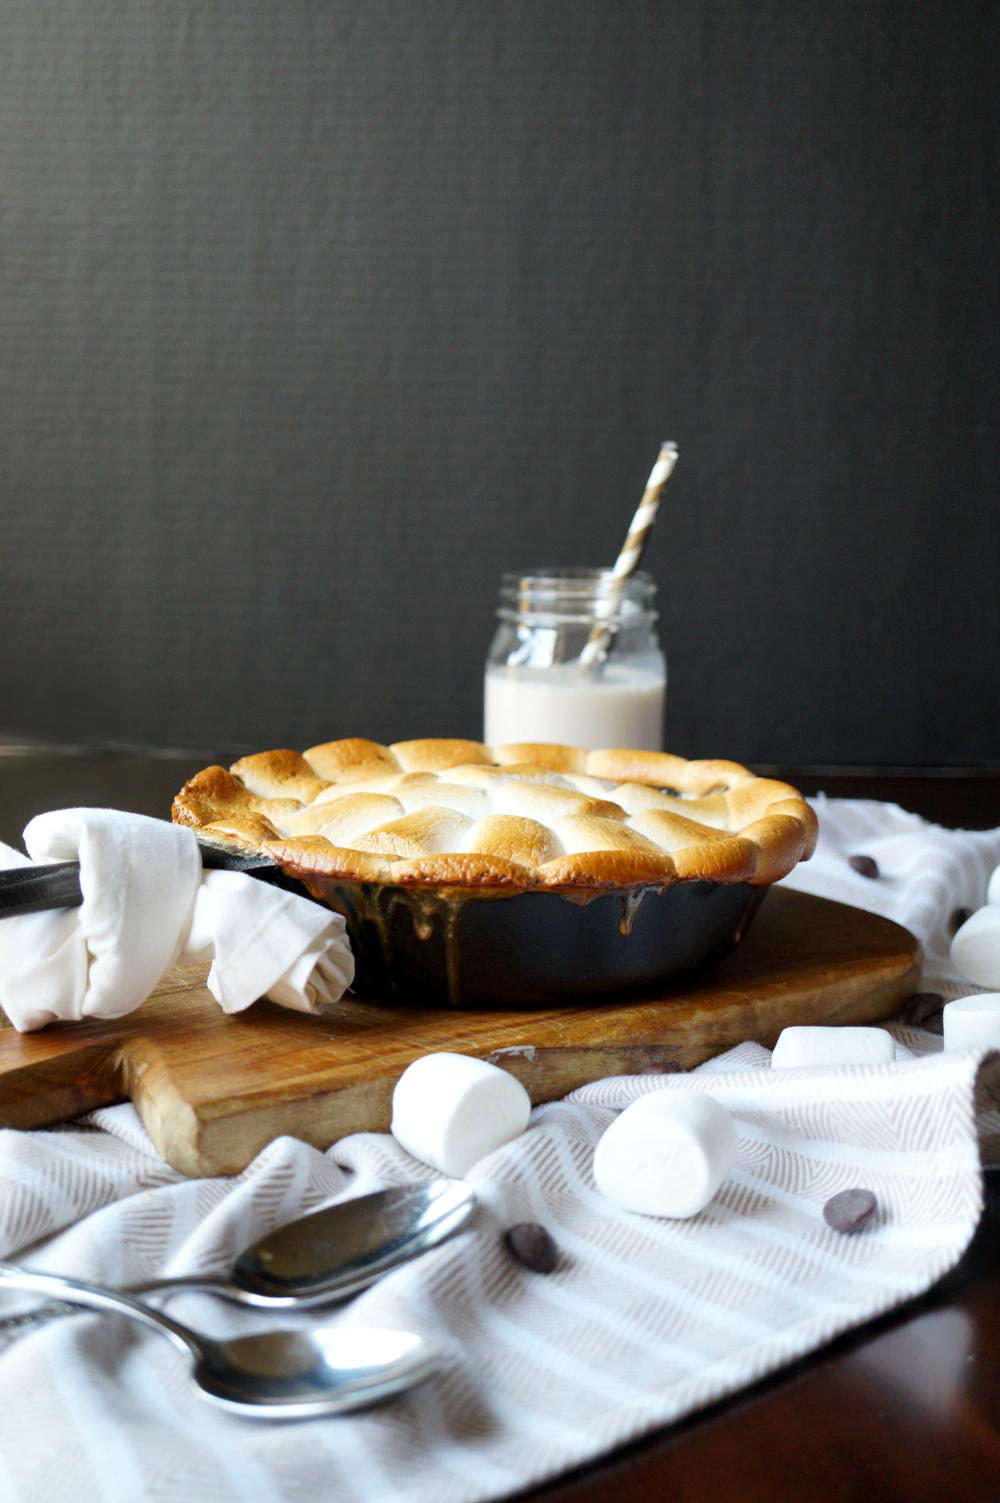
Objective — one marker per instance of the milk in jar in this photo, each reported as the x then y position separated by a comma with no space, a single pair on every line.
536,688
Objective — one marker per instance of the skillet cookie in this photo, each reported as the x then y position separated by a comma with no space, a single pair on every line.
460,814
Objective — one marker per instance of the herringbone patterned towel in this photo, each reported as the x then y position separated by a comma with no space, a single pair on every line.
643,1322
925,874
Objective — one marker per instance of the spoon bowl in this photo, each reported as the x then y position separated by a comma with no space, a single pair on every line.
323,1257
276,1374
336,1252
324,1371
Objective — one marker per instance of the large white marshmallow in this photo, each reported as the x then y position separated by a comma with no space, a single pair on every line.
450,1110
993,890
805,1045
667,1154
975,950
973,1022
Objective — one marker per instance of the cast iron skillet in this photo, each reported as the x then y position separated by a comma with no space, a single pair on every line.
467,948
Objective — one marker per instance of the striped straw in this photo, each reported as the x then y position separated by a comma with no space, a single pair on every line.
632,550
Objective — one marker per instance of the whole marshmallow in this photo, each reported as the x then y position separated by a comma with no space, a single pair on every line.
450,1111
993,891
667,1154
975,950
804,1045
973,1022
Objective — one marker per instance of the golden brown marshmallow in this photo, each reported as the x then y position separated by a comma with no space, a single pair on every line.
242,833
306,854
453,869
524,841
350,760
636,796
278,774
437,755
466,800
780,840
211,794
589,832
538,801
607,869
541,754
621,766
346,817
428,832
476,776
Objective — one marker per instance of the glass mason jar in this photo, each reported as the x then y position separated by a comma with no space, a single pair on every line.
576,660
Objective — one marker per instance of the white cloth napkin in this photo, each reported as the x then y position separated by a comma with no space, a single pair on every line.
644,1321
925,873
146,905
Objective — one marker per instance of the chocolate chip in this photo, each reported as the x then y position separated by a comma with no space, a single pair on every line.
850,1211
668,1067
958,918
924,1011
865,866
532,1245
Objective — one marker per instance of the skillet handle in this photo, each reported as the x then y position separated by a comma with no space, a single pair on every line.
36,889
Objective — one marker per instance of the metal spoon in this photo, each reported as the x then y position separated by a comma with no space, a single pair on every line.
327,1255
277,1374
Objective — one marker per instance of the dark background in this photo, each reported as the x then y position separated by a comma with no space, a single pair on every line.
315,316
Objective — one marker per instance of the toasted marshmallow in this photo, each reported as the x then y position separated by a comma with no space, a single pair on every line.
522,840
344,818
424,833
470,801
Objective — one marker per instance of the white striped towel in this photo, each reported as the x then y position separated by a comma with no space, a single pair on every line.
925,873
643,1322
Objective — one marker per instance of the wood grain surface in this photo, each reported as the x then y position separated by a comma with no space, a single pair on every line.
213,1090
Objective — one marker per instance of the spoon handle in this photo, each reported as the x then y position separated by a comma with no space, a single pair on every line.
36,1317
92,1297
208,1283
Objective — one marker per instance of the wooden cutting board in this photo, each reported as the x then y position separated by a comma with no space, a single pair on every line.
213,1090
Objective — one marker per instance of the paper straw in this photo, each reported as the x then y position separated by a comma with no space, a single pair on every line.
632,550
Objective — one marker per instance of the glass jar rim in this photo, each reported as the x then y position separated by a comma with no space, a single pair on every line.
562,596
577,582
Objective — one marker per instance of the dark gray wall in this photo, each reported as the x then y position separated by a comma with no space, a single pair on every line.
315,316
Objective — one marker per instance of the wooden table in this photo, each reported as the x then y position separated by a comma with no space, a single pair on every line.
906,1410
